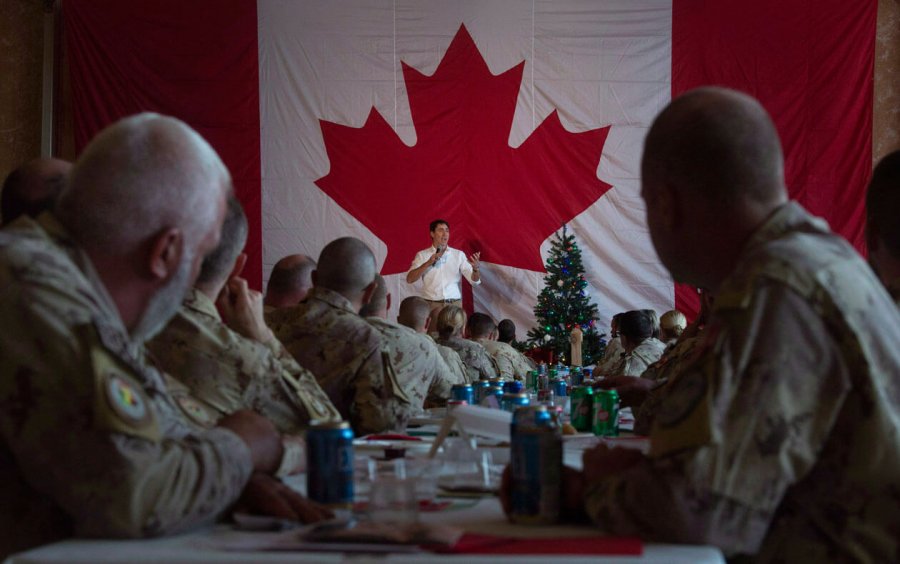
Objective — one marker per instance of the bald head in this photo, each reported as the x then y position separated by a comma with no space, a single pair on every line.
346,266
290,281
718,143
711,158
143,174
146,201
32,188
414,313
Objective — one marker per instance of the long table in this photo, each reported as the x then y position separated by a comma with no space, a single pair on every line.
484,517
478,516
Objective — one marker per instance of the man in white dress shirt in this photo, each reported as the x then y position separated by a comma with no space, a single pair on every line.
441,268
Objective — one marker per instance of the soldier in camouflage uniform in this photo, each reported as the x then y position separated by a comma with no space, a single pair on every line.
479,364
780,440
92,442
882,227
419,369
348,356
241,368
509,363
640,348
415,314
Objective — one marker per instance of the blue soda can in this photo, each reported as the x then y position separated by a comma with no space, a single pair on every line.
587,374
482,389
559,388
329,463
535,466
463,392
512,402
513,387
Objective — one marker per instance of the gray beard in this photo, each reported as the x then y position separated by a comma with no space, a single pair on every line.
164,304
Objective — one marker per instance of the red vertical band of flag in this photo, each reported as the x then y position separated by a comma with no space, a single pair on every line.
197,61
811,65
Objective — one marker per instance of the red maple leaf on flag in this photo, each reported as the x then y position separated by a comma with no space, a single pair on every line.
499,200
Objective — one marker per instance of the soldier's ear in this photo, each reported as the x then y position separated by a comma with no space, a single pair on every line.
166,250
388,306
368,291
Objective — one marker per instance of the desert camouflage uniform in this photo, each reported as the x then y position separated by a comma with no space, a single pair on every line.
510,362
781,439
92,442
452,359
418,367
612,356
479,364
643,355
665,372
348,357
231,372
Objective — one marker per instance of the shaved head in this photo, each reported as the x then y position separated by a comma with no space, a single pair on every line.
712,157
718,142
346,266
32,188
480,326
218,264
141,175
414,313
146,201
289,281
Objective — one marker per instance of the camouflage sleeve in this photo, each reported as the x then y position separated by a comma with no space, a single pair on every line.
442,381
373,399
303,389
88,432
739,427
504,366
487,367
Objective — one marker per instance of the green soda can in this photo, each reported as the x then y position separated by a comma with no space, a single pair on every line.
531,380
606,413
582,408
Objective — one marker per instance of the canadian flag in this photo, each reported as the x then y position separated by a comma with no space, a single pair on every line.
508,118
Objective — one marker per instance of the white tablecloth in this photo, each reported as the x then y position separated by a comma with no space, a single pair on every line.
484,517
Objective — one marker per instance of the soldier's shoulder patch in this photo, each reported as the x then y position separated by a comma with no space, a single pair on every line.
122,404
127,400
195,411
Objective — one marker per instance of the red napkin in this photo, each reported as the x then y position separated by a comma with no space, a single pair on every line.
392,437
486,544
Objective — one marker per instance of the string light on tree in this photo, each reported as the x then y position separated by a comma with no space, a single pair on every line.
563,304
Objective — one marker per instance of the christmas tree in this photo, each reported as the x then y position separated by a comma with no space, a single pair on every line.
564,304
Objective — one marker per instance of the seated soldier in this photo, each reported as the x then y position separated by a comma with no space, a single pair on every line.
415,313
671,326
289,281
779,441
510,362
347,355
882,227
238,363
479,366
91,441
482,329
641,349
32,188
419,371
612,356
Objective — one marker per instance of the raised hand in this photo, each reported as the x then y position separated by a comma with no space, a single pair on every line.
242,310
474,260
